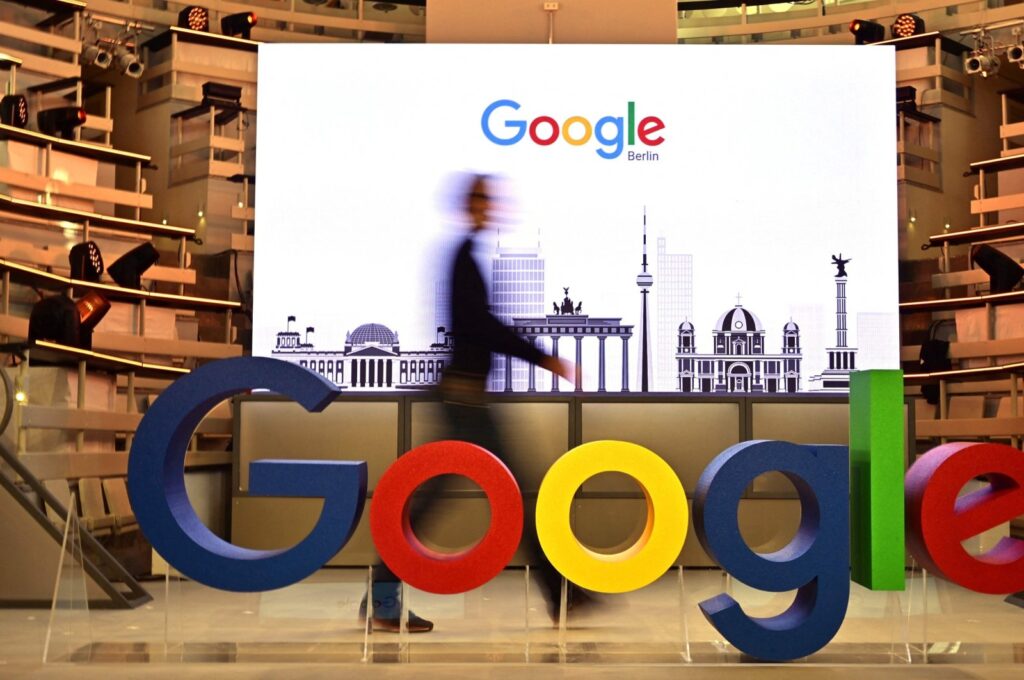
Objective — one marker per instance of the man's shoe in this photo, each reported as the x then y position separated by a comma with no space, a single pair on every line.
385,620
415,624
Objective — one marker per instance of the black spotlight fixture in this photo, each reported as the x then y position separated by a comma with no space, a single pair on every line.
1015,54
127,270
55,318
14,110
195,18
86,262
91,308
94,55
61,121
980,63
62,320
1003,271
128,63
238,25
907,25
866,32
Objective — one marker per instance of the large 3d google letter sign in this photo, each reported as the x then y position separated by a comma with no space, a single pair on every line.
837,487
156,480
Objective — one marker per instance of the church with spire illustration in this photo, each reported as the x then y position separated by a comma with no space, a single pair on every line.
739,362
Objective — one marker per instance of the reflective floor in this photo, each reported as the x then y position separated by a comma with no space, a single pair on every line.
503,629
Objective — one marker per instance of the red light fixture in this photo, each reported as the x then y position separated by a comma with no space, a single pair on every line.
238,25
61,121
866,32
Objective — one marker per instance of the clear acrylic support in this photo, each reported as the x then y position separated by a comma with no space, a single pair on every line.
526,613
403,623
368,617
563,619
722,645
684,624
69,632
317,619
174,633
916,617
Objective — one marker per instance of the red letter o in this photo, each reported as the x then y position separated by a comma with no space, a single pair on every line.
418,565
554,130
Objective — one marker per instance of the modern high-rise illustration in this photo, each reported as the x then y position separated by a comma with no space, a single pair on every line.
673,303
644,280
517,290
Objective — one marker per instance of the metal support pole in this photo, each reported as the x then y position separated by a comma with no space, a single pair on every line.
600,363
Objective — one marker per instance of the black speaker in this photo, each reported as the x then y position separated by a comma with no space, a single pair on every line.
1003,271
127,270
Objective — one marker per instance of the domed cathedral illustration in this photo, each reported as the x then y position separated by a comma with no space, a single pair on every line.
739,362
371,359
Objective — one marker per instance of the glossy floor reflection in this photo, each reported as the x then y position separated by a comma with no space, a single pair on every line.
507,625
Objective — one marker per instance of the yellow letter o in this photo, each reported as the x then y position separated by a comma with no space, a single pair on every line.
659,544
587,130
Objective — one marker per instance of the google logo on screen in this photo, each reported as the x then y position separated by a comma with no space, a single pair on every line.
612,133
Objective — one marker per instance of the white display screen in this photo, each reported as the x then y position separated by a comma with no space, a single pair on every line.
752,167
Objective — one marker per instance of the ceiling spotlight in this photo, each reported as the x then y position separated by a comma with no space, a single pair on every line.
91,307
128,63
238,25
907,25
1015,54
1004,272
86,262
127,270
94,55
984,65
194,18
865,32
55,318
14,110
61,121
60,319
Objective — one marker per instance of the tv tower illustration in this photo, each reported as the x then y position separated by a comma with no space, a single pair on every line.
644,280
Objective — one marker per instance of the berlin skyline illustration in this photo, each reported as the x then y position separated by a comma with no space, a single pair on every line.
667,354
